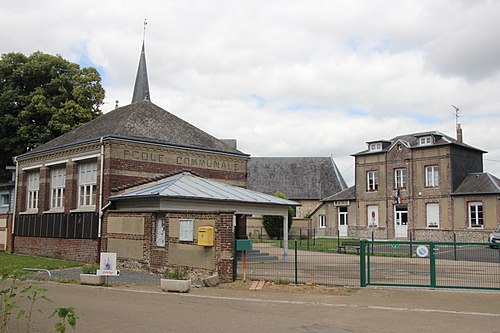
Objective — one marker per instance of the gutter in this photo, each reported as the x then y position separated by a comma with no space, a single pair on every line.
16,183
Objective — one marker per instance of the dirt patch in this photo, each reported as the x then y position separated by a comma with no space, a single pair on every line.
271,286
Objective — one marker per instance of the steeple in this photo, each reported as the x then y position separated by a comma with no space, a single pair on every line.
141,87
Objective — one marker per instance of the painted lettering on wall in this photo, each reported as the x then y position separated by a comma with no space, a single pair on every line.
206,163
197,162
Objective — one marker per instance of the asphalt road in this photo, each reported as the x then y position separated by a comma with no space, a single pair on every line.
147,309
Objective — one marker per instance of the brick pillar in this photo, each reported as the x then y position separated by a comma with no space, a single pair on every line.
241,226
71,195
225,244
44,190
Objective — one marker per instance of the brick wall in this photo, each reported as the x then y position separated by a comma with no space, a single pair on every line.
81,250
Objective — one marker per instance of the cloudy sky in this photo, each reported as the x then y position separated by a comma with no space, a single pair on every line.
288,78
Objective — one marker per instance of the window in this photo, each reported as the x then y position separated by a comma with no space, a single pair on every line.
372,181
432,215
33,187
400,178
375,146
4,199
425,140
87,184
322,221
372,217
476,215
432,176
186,231
57,186
160,232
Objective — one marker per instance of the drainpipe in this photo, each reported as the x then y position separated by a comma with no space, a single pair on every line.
101,183
16,183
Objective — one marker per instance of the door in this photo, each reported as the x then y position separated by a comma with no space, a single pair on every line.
342,218
401,221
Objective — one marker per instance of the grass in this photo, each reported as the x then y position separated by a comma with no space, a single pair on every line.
10,262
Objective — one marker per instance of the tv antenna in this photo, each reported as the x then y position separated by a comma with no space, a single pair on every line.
456,113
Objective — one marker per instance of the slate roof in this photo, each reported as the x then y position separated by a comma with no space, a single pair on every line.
411,140
347,194
141,87
479,183
188,186
297,177
141,121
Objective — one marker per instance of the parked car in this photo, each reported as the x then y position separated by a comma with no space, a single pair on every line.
495,237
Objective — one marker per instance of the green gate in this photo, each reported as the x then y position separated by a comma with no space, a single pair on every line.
429,264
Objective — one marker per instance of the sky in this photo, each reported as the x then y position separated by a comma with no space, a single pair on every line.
284,77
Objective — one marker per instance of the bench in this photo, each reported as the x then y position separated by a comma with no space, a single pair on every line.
349,243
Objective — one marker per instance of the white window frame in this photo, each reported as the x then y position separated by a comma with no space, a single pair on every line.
3,201
425,141
57,187
343,214
432,215
372,181
400,178
33,187
475,212
87,184
376,146
432,176
322,221
372,219
160,232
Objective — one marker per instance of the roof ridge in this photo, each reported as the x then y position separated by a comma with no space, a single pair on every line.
153,179
493,180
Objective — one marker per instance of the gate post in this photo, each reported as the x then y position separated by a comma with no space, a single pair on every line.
362,263
433,265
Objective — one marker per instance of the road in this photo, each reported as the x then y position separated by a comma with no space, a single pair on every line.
147,309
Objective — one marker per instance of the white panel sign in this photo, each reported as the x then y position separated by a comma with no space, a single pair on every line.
186,230
108,264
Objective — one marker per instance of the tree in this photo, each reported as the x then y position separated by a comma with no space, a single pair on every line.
41,97
274,224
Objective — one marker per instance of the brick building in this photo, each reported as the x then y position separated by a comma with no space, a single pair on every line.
62,207
421,186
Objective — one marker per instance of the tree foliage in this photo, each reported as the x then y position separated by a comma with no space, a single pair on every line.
41,97
274,224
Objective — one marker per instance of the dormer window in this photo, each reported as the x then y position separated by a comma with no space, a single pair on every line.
376,146
426,140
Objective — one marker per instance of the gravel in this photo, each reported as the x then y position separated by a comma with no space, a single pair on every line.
126,276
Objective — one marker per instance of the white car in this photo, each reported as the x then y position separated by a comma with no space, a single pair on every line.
495,237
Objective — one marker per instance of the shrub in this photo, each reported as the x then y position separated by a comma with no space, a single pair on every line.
274,224
175,273
90,269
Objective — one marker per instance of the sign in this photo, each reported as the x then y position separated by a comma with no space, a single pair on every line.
395,246
186,230
422,251
341,203
107,266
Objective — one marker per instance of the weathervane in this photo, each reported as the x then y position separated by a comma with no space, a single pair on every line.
144,32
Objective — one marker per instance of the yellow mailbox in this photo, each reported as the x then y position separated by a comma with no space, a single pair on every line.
206,236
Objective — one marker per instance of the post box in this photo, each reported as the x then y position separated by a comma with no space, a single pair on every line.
206,236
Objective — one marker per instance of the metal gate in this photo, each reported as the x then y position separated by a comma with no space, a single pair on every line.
429,264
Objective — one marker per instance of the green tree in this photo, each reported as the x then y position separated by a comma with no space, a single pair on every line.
41,97
274,224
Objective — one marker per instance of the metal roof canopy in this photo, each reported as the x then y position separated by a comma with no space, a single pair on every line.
187,192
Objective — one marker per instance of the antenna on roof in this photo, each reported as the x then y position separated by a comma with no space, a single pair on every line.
457,110
460,138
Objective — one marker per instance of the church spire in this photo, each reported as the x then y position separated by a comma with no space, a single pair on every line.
141,87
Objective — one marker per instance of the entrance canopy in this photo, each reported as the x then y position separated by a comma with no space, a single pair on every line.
187,192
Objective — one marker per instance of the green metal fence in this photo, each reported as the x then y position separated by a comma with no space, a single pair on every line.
429,264
341,261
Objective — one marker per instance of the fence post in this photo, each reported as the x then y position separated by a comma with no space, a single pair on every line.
300,236
235,261
362,264
296,264
455,245
433,265
338,241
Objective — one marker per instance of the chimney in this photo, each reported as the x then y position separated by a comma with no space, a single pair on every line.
460,138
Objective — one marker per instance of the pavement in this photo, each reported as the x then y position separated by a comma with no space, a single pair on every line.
143,307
